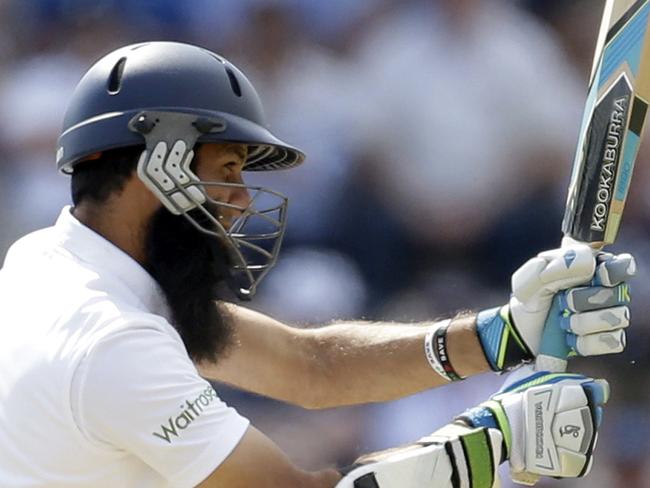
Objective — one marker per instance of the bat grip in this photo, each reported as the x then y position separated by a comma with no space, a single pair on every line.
554,350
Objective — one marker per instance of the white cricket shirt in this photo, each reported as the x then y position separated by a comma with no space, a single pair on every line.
96,387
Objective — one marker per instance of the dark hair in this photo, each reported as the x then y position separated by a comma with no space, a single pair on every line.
97,179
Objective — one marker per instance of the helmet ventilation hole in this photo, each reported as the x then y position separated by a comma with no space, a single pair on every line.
115,78
234,84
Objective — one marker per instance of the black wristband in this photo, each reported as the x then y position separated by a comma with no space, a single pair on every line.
439,346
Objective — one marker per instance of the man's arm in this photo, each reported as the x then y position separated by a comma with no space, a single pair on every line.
257,461
359,362
339,364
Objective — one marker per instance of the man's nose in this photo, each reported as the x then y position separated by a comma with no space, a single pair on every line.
239,195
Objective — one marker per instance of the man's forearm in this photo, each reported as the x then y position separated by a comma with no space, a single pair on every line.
373,362
465,349
340,364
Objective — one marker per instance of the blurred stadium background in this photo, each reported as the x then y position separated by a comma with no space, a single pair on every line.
440,136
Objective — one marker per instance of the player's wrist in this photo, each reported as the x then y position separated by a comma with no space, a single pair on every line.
437,352
502,345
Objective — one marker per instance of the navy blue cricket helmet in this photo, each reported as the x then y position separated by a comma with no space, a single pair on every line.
174,77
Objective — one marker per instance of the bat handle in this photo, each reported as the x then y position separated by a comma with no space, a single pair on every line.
554,350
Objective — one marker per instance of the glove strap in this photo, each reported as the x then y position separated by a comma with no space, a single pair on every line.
475,453
435,350
503,347
490,415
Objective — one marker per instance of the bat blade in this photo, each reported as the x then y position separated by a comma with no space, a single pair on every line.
612,124
612,128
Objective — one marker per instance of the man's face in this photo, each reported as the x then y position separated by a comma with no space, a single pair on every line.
192,267
223,163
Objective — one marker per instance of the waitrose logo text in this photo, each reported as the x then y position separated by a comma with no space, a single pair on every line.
190,411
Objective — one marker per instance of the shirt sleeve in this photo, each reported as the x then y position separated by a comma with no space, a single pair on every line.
138,391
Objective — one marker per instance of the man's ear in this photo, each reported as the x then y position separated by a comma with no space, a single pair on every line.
139,194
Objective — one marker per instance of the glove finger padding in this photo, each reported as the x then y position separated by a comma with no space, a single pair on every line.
597,344
588,321
606,320
587,298
613,270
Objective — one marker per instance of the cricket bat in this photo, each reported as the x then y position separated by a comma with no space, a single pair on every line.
611,131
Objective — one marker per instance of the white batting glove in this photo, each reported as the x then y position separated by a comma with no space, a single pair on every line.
575,301
549,423
542,423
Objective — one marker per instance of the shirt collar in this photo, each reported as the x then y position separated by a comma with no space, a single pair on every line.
90,247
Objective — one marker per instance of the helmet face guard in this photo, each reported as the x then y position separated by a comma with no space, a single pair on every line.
253,239
175,95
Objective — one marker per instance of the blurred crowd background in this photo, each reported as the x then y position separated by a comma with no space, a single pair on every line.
440,136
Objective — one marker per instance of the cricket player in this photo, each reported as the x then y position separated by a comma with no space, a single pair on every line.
114,319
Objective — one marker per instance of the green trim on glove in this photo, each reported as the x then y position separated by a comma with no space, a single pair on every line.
502,422
473,452
479,458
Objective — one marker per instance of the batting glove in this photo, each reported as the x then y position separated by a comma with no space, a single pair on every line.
549,423
542,423
564,302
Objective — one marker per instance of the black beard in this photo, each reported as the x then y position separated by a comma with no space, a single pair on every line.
191,268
